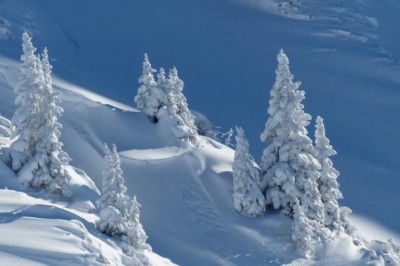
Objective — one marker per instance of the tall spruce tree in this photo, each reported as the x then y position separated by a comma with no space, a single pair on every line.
37,149
288,168
328,185
51,169
27,99
247,196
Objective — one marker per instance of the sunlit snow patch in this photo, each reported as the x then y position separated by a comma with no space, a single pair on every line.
90,95
154,154
372,230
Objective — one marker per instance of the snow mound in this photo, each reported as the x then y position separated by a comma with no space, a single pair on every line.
38,230
154,154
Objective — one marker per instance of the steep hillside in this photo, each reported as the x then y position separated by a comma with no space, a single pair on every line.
185,192
344,53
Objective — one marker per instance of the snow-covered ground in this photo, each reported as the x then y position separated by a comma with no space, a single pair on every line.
344,52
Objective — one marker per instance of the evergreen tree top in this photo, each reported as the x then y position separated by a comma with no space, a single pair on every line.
161,78
242,144
287,117
175,82
147,77
322,143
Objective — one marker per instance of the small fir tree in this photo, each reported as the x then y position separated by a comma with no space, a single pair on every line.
114,189
162,81
288,167
119,215
150,97
136,236
178,108
247,196
328,185
303,231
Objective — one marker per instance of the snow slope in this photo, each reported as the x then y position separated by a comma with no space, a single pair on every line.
345,54
40,230
185,193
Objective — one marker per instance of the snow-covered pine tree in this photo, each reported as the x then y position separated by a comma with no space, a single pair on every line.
136,236
28,92
113,188
119,215
50,161
150,97
162,82
178,108
37,152
303,231
247,196
328,185
288,167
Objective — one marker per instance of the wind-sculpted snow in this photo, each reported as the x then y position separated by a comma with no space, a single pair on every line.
154,154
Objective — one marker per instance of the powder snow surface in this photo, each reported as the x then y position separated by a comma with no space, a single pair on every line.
344,53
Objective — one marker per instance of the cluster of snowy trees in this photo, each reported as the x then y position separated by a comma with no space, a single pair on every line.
295,174
163,99
36,153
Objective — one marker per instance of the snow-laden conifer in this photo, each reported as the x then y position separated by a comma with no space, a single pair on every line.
119,215
136,236
162,81
247,196
288,168
28,92
178,108
50,161
328,185
37,152
113,187
150,97
304,232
